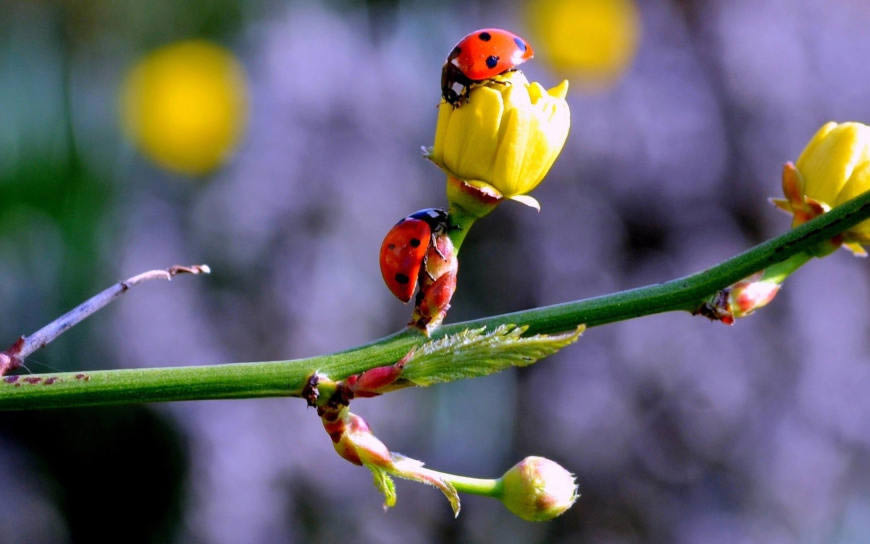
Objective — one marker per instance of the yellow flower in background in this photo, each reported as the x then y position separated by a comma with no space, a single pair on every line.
833,168
591,40
506,138
184,105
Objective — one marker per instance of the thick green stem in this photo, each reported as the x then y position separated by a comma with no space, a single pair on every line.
288,378
468,203
460,222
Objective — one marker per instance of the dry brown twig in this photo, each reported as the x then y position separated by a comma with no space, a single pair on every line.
15,355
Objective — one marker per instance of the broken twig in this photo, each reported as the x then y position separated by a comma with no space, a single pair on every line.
14,356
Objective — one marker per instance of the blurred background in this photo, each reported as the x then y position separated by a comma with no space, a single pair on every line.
278,142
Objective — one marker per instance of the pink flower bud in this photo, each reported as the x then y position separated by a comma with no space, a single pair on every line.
537,489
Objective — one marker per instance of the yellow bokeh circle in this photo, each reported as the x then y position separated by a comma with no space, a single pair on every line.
592,41
185,106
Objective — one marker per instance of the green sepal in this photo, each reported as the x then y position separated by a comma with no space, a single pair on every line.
477,352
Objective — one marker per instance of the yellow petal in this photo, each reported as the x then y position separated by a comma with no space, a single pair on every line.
817,138
560,90
539,155
454,139
511,151
856,248
555,123
483,119
858,184
444,111
536,91
484,103
516,95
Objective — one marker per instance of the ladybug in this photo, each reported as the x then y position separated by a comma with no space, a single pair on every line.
479,57
404,249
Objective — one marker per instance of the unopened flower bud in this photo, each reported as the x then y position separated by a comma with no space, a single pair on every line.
751,294
537,489
833,168
507,136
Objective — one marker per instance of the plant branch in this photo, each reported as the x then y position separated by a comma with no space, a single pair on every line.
15,355
288,378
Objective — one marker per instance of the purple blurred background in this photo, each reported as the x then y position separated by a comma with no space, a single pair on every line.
679,429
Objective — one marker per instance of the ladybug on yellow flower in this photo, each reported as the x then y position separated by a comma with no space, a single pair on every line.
479,57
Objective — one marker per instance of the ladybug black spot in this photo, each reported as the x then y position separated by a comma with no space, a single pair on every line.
402,278
491,61
391,246
415,242
455,53
520,43
485,36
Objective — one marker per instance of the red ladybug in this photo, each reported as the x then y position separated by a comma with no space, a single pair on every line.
480,56
404,249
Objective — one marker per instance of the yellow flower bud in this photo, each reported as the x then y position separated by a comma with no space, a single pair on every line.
184,106
507,136
537,489
832,169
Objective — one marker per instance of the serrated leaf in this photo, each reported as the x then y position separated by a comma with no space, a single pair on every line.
385,485
475,352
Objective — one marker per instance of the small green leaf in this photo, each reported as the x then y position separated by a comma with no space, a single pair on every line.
385,485
475,352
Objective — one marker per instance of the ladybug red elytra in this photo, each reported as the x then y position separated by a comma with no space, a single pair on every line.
404,249
478,57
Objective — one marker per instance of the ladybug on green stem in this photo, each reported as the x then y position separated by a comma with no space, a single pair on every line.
404,249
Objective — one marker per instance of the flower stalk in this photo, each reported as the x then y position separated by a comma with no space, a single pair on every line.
535,489
288,378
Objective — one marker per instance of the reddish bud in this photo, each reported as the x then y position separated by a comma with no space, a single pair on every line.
749,295
437,284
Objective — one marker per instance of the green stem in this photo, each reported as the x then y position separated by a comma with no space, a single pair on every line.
485,487
780,271
287,378
460,222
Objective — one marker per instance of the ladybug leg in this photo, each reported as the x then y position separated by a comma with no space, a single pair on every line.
434,246
501,81
452,77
